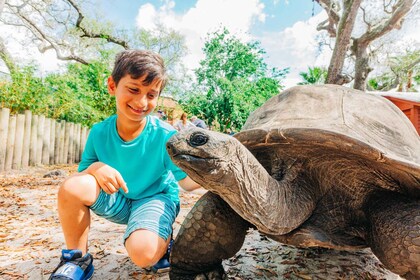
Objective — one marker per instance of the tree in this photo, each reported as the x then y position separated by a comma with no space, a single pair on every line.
314,76
232,81
341,26
403,69
62,26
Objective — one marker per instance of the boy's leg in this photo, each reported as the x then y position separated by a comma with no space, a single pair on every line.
145,248
149,229
75,195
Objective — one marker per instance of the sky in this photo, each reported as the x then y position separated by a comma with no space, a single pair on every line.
286,29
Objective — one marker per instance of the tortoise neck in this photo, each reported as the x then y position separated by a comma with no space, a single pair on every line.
268,204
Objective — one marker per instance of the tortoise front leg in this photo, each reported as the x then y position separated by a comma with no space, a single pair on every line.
394,235
211,232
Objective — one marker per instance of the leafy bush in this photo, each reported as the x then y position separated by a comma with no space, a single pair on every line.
78,95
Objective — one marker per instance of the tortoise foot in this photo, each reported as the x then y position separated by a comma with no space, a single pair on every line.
218,273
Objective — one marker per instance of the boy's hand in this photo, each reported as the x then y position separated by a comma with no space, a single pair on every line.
108,178
188,184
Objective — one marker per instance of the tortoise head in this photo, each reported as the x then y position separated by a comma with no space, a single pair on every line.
210,158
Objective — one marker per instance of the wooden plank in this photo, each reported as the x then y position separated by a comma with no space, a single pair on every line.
77,140
10,142
40,139
17,151
34,140
66,143
52,140
46,142
71,144
4,129
26,139
62,141
57,143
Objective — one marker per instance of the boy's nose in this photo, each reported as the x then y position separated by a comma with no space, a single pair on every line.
141,101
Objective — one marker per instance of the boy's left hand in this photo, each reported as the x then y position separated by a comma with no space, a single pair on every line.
188,184
108,178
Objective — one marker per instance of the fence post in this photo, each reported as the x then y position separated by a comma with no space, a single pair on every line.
34,140
46,142
4,129
62,141
26,138
77,146
66,143
57,142
40,140
17,152
10,142
52,140
72,142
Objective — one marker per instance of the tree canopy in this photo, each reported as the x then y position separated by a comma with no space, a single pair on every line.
232,81
376,19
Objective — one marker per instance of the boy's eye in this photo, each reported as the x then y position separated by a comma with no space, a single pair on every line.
152,95
133,90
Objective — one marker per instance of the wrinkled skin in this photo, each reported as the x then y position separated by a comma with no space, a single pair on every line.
306,187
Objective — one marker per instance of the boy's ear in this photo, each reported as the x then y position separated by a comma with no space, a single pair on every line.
111,85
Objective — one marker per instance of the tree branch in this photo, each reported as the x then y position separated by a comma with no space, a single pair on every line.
400,9
86,33
6,57
332,8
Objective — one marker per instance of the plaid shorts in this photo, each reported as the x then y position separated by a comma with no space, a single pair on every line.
156,213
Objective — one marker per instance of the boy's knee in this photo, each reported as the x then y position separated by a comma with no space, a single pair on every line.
143,255
80,186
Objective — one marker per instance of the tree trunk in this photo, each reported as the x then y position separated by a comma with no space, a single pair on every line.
342,42
362,68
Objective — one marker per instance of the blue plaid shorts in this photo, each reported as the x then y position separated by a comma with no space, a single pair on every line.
156,213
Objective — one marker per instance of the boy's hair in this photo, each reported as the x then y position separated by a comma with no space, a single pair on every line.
138,63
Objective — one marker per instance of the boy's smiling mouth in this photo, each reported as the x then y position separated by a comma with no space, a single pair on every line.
137,111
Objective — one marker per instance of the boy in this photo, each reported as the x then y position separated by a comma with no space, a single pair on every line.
125,174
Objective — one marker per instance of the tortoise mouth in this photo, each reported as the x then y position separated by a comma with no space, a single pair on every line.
191,158
196,164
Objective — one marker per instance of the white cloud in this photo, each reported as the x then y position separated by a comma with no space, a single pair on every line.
206,16
295,47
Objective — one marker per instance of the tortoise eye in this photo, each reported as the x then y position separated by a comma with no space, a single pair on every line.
198,139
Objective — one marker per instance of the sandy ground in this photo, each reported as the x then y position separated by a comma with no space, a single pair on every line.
31,241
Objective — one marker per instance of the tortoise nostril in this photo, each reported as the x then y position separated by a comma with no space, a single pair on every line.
170,148
198,139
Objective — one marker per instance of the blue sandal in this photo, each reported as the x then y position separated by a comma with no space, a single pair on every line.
73,266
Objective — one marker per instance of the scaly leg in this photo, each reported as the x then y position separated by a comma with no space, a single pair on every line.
211,232
395,233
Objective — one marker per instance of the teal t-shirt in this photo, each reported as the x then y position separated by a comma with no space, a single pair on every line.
143,162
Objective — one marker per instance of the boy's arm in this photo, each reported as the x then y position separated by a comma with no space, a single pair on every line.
188,184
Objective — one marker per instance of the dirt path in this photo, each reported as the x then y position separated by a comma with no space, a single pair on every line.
31,240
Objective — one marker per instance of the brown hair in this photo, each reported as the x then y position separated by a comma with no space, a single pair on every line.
184,118
138,63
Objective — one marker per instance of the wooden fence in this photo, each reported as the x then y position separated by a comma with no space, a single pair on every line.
31,140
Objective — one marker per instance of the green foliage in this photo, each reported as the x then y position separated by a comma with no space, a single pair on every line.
78,95
26,92
314,76
404,69
232,81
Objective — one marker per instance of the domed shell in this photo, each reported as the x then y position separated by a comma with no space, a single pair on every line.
332,115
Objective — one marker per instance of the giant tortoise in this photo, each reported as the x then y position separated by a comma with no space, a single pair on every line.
315,166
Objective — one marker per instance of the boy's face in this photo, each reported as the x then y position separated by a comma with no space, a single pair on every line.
134,99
